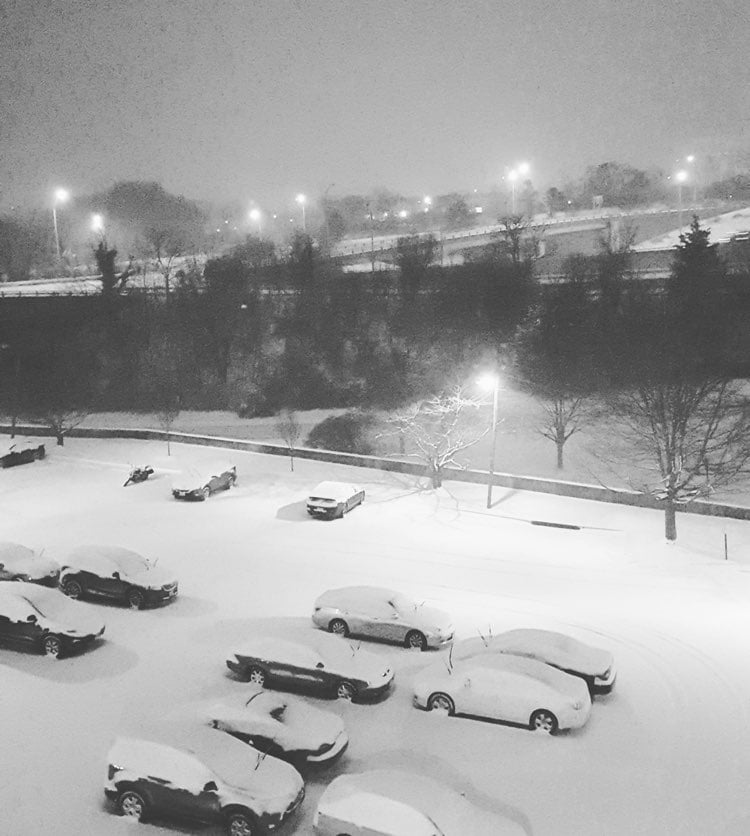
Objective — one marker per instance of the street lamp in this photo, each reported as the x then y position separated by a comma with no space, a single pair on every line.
61,195
681,176
521,170
97,223
302,200
257,217
491,382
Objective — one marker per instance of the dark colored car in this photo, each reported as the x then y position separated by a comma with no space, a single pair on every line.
119,574
332,666
199,483
42,619
21,451
208,778
19,563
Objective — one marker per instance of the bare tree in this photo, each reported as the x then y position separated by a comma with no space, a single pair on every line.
160,380
564,415
514,229
694,437
167,414
436,430
62,421
290,431
164,246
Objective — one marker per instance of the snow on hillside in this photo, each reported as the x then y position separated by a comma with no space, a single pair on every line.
666,754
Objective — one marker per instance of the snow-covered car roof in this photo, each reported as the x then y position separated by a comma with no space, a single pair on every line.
356,794
98,558
334,490
546,645
362,597
17,558
50,603
19,443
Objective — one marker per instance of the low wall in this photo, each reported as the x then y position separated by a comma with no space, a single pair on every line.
503,480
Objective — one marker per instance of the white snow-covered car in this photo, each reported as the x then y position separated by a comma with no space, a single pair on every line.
337,668
374,612
331,500
282,726
42,619
21,450
116,573
388,802
505,687
199,482
592,664
205,777
19,563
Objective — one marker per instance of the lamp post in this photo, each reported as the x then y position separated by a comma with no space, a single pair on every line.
301,199
680,177
513,176
491,382
257,217
61,195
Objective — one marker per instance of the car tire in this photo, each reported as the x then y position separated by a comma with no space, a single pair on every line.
441,702
543,720
338,627
135,599
346,691
132,804
52,646
415,640
72,589
241,823
205,493
257,676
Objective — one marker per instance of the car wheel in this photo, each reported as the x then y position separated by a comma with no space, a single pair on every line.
415,640
339,627
241,823
442,703
205,493
52,646
257,676
72,589
346,691
543,721
135,599
132,805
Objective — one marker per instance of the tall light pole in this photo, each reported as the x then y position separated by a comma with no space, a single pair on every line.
302,200
513,176
61,195
680,177
690,159
491,382
257,217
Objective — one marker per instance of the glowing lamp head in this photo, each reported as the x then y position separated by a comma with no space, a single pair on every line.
61,195
301,199
681,176
97,223
255,215
523,168
488,381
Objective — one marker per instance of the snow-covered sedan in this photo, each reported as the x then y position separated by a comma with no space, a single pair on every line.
373,612
199,482
42,619
334,667
505,687
21,450
387,802
283,726
331,500
116,573
205,777
592,664
19,563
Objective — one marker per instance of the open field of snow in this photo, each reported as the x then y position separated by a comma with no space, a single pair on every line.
668,752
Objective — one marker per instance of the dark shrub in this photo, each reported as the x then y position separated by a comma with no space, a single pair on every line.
347,433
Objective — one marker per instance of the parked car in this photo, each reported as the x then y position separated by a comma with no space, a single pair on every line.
205,778
592,664
19,563
118,574
331,666
21,450
32,616
200,482
374,612
505,687
283,726
387,802
332,500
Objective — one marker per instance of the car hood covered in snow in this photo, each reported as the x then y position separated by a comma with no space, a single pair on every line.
22,560
103,560
355,797
545,645
56,613
373,600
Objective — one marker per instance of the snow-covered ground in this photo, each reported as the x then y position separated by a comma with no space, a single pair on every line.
668,752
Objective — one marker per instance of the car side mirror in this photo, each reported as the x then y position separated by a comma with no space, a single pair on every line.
116,575
31,618
320,665
210,786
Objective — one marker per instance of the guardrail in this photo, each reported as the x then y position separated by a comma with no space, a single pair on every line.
576,490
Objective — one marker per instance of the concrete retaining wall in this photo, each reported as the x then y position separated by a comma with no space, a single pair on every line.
503,480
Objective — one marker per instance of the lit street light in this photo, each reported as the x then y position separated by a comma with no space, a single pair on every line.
61,195
681,176
491,382
521,170
257,217
301,199
97,224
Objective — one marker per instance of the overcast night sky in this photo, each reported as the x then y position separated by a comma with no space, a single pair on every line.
259,99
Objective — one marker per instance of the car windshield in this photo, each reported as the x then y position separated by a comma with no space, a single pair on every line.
402,604
131,563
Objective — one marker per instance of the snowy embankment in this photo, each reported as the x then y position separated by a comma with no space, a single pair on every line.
666,753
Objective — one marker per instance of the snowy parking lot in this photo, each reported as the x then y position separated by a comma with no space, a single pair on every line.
668,752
